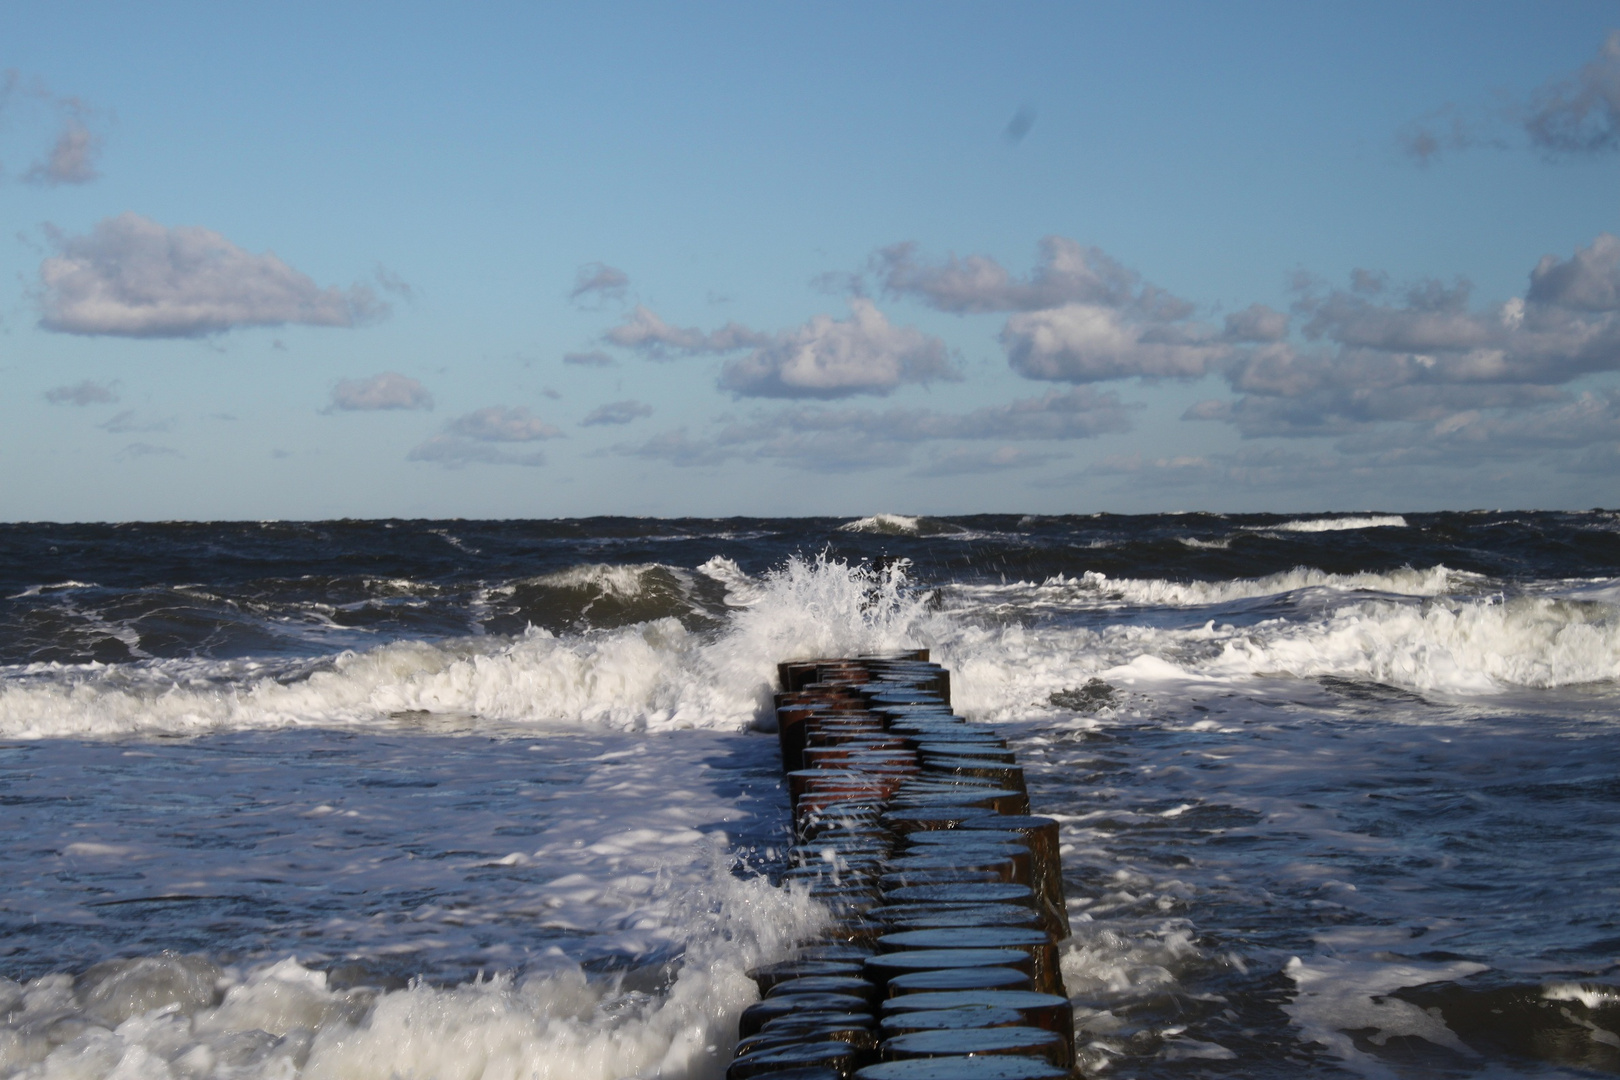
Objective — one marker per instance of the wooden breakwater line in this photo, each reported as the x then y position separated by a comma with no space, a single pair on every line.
913,825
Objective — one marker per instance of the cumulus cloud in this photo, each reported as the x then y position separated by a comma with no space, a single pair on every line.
1067,273
617,412
841,438
824,358
1588,281
1581,114
1445,130
679,448
501,423
1079,316
127,422
1573,116
391,283
454,453
595,358
72,160
1255,323
1088,343
133,277
87,392
473,438
389,390
646,333
1427,354
599,281
831,358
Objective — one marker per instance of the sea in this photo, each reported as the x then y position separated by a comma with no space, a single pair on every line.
1339,794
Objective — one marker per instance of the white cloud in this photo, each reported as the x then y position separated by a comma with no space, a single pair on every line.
389,390
830,358
501,423
1581,114
1588,281
72,159
127,422
1426,353
470,439
1257,323
1067,273
824,358
678,448
599,281
617,412
1080,315
645,332
133,277
840,438
453,453
1088,343
1577,115
87,392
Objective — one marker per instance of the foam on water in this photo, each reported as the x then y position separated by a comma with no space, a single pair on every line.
1221,714
1094,587
1415,631
901,525
1336,996
653,675
173,1016
1338,524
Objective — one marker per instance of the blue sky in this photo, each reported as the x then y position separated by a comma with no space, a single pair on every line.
535,261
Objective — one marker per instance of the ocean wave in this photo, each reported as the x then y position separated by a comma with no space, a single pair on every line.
657,674
1335,524
1412,628
1092,588
1467,647
1459,647
901,525
172,1015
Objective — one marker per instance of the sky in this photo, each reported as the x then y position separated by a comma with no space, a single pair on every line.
519,260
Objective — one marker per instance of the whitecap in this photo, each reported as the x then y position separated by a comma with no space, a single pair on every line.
1335,524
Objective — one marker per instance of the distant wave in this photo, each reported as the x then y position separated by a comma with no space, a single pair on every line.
901,525
1335,524
1433,581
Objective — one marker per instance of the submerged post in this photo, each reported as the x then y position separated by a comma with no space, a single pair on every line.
913,825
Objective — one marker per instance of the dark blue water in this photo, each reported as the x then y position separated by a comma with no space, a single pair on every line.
1340,794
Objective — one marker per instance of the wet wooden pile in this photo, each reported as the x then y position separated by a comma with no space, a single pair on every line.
913,825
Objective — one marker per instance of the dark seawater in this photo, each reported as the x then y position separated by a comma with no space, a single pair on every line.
1340,794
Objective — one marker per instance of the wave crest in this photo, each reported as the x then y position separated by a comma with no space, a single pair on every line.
657,674
1336,524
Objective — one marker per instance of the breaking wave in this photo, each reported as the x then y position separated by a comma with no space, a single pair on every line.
171,1015
901,525
656,674
1337,524
1092,587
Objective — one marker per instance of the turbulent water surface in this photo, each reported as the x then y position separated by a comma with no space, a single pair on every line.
1340,795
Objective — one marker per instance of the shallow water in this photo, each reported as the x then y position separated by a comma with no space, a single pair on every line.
1340,794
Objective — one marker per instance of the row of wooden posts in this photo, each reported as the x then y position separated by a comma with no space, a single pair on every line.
913,826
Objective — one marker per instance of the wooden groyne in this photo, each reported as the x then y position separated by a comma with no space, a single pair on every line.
913,825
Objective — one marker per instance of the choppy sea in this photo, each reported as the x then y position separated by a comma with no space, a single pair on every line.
1339,794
